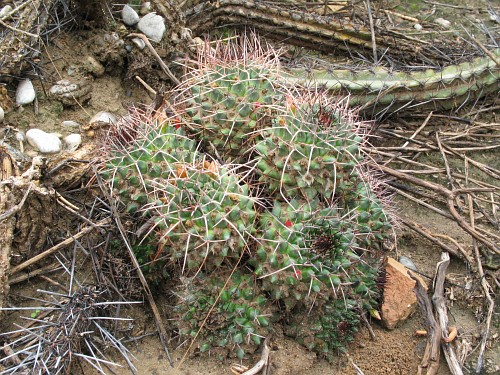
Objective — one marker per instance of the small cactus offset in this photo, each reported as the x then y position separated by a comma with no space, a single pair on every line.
311,149
240,316
144,149
226,102
203,216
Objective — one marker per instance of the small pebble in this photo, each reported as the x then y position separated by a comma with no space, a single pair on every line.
103,116
408,263
129,15
139,43
442,22
2,115
5,10
20,136
44,142
25,93
72,142
70,124
417,27
152,26
145,8
94,67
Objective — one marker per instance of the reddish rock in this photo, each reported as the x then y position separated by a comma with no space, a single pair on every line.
399,300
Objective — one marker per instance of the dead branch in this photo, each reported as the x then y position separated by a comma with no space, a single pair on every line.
440,306
430,361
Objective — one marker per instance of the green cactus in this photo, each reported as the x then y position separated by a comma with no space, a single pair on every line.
133,167
309,150
227,105
240,316
204,216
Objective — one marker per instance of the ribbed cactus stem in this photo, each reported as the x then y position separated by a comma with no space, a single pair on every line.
394,90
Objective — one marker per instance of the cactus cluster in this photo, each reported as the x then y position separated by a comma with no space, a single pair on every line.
292,230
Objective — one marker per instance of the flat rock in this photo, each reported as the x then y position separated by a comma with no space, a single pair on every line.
25,93
153,26
44,142
129,15
399,299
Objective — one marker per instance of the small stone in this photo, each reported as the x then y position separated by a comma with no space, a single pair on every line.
442,22
407,262
20,136
94,67
103,117
70,124
25,93
139,43
129,15
69,93
44,142
399,299
152,26
418,27
145,8
72,142
5,10
2,115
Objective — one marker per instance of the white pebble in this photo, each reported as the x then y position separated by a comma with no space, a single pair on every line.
139,43
152,26
103,117
417,27
25,93
2,115
72,142
44,142
145,8
442,22
70,124
5,10
20,136
129,15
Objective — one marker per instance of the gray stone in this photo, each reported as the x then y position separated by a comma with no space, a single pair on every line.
25,93
72,142
145,8
103,116
139,43
70,124
153,26
5,10
2,115
129,15
44,142
442,22
407,262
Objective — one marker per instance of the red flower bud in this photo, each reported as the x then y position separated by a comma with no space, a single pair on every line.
288,223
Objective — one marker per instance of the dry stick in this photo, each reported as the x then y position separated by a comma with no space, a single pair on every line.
430,360
372,31
424,124
445,159
58,247
39,271
486,288
163,66
450,198
158,319
431,237
440,306
14,209
262,362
